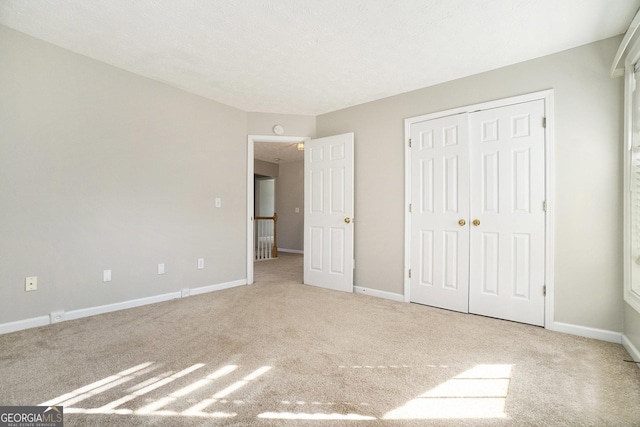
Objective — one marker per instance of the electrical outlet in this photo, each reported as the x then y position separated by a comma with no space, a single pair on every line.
31,284
106,276
57,316
218,202
200,263
160,268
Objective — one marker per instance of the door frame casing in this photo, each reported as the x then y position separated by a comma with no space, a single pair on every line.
547,97
251,139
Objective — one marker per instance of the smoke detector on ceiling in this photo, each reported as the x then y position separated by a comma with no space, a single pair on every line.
278,130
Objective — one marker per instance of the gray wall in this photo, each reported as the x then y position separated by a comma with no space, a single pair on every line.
294,124
103,169
261,167
289,196
588,138
100,168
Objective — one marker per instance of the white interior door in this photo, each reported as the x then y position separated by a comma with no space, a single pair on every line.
440,212
328,207
507,244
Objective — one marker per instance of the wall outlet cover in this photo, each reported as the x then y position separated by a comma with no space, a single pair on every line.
57,316
31,284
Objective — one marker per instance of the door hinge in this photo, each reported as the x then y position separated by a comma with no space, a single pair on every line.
409,273
410,207
544,205
409,142
544,290
544,122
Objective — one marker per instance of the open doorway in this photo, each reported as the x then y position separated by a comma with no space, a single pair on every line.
275,165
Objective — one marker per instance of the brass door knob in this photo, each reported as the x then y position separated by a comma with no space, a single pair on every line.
347,220
476,222
462,222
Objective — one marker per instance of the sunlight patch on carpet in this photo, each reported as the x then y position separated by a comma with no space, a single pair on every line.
316,416
98,387
480,392
156,407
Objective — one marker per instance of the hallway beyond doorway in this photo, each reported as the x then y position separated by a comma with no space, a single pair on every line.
287,268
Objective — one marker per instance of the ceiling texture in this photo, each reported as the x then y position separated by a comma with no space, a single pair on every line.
279,153
314,56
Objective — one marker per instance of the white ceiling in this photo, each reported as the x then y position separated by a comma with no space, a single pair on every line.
314,56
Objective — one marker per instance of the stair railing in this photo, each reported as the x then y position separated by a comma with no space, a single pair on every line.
266,246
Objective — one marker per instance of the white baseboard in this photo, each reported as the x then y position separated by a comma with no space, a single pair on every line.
632,349
35,322
101,309
378,294
219,287
587,332
19,325
291,251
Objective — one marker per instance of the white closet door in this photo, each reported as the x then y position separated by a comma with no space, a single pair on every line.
440,212
507,230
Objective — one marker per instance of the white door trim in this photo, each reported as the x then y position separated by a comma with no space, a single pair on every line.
251,139
547,96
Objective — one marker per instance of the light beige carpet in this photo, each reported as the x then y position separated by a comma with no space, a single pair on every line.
282,353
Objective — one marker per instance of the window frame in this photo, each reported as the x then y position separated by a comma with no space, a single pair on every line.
631,295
